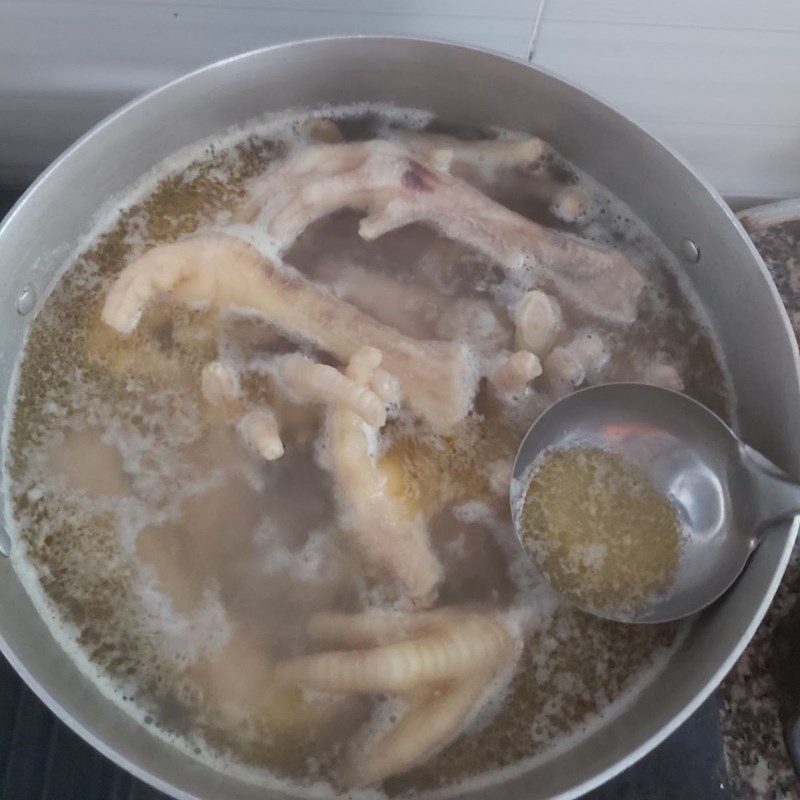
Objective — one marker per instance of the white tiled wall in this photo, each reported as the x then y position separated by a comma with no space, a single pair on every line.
64,64
719,79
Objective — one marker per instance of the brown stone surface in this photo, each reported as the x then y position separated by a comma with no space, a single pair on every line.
758,762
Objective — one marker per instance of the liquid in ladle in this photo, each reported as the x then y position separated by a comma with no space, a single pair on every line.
602,534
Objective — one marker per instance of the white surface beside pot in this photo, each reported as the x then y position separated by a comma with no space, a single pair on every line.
717,80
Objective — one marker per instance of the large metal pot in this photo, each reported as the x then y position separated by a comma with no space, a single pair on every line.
470,86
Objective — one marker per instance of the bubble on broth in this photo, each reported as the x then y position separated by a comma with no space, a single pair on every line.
112,446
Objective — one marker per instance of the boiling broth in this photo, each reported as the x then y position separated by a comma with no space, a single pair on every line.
119,470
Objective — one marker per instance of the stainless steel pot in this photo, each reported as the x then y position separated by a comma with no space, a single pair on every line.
470,86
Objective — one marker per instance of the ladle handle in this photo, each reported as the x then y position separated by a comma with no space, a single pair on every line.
774,495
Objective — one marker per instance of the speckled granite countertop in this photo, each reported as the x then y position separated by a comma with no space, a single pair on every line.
758,763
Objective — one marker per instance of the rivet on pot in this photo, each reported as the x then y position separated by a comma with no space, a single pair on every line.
691,252
26,301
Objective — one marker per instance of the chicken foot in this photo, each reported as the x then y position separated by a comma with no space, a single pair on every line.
441,662
437,379
248,693
395,189
387,538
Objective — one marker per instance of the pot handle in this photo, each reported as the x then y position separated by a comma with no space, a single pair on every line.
5,543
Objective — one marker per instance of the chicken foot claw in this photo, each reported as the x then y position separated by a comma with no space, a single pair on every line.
259,429
308,380
538,322
219,383
516,372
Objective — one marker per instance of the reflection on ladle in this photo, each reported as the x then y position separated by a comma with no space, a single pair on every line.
725,494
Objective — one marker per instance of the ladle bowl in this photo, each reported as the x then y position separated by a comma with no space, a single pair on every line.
725,493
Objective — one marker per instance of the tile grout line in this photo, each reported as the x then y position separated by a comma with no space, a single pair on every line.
537,23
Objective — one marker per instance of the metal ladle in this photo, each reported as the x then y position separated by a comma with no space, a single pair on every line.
725,493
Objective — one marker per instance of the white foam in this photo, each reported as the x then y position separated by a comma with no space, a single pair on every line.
475,511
